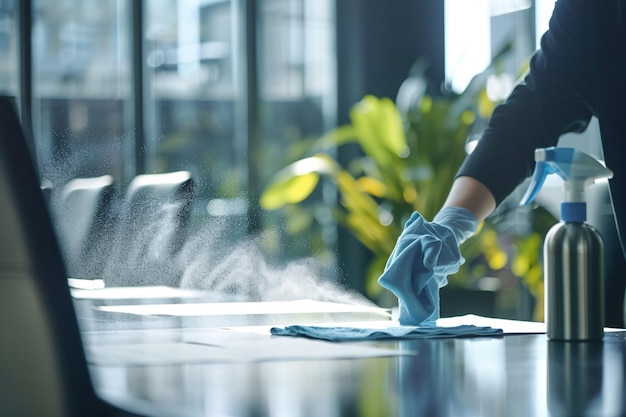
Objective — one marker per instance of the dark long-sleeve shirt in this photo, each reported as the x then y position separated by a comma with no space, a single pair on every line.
579,72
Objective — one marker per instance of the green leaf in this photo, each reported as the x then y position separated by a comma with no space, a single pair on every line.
380,132
291,190
294,183
392,127
366,118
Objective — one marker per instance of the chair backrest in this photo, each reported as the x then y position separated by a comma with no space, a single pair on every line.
82,217
152,227
43,369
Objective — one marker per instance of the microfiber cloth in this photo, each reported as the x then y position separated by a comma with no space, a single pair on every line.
424,255
346,334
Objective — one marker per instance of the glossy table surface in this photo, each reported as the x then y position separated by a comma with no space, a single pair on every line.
163,365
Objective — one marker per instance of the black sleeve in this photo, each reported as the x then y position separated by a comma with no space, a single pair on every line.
553,99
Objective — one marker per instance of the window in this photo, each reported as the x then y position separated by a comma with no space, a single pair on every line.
476,30
81,87
296,67
193,93
222,89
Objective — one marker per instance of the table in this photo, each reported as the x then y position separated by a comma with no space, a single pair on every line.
512,375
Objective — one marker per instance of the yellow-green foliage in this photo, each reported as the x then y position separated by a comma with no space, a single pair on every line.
408,163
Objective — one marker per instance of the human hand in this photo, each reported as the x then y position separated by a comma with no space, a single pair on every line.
424,255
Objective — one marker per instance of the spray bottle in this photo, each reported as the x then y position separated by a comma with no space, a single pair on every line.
573,250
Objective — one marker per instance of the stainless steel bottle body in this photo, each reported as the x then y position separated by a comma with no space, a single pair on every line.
574,282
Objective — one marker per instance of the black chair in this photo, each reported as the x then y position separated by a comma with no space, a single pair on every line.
43,369
152,226
82,216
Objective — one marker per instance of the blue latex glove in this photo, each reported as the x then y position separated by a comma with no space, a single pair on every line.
424,255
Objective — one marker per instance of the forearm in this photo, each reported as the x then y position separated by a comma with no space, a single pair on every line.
469,193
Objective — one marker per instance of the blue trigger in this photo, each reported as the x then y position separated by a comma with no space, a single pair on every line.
542,170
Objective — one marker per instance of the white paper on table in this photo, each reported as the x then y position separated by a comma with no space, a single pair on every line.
125,293
507,326
243,308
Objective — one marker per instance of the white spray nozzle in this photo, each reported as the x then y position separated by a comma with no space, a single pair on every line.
577,169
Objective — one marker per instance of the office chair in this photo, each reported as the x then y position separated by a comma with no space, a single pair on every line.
152,226
43,370
82,214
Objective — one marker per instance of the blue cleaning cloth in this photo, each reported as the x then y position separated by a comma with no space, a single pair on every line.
346,334
424,255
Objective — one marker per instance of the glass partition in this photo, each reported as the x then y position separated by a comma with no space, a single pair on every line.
81,87
297,94
228,97
224,90
194,89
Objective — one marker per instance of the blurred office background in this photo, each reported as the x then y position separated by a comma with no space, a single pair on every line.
229,90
